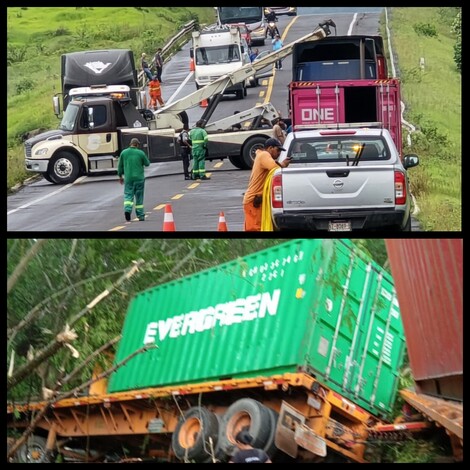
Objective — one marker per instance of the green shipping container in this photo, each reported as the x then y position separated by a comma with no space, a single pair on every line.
319,306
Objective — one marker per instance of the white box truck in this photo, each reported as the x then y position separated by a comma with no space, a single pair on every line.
216,52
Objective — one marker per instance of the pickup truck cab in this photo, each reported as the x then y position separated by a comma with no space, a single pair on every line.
342,179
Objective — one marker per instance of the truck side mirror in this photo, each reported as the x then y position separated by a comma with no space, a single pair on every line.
410,160
56,105
191,53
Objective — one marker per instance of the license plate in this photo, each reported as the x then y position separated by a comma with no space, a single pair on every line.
339,226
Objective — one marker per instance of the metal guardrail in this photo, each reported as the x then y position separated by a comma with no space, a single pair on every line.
172,45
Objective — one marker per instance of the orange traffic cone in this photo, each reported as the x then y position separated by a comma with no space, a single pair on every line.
191,65
168,222
204,103
222,223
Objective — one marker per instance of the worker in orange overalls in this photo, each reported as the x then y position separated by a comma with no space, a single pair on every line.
155,92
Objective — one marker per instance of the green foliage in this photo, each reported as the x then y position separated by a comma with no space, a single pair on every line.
457,29
413,451
425,29
24,86
458,55
15,54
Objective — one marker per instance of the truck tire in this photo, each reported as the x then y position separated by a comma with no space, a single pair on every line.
190,439
33,451
270,447
249,151
47,177
237,162
219,454
245,413
407,227
64,168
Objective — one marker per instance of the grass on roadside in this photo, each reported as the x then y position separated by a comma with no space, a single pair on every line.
432,95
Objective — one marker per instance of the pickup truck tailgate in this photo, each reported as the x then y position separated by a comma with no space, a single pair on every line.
333,187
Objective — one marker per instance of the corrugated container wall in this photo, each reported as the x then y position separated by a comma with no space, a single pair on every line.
428,276
318,306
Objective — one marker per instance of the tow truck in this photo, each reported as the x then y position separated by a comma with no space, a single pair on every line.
100,121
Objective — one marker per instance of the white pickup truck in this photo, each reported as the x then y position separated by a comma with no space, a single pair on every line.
342,179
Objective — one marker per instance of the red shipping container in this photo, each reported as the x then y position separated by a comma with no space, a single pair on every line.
428,277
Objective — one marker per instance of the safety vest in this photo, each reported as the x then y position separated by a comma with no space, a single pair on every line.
154,87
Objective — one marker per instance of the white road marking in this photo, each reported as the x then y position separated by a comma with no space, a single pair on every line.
63,188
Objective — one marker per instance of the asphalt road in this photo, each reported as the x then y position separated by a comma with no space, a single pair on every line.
94,204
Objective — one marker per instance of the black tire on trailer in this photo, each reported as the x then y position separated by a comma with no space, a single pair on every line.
245,413
190,439
249,148
33,451
219,454
64,167
270,447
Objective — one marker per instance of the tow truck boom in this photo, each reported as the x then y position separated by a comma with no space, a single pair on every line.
167,116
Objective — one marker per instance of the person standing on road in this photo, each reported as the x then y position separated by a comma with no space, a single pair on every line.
155,92
279,130
131,173
265,161
145,66
246,453
277,44
199,139
158,61
185,149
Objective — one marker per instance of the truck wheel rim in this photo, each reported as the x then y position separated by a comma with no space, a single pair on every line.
236,423
189,433
63,167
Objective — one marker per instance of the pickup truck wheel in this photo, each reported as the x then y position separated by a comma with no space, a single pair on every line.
237,162
249,150
407,227
64,168
245,413
190,439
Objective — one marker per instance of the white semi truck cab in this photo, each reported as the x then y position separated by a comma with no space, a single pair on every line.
217,52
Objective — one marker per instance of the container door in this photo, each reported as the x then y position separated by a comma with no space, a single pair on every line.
337,315
318,105
379,353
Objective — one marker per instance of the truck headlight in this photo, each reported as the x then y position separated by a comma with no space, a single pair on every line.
42,151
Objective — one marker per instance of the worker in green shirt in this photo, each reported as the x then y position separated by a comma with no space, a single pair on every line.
131,172
199,138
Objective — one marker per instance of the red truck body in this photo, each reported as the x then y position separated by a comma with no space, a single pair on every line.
361,102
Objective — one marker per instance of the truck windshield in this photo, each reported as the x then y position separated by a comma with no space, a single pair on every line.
217,55
339,150
69,118
252,16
